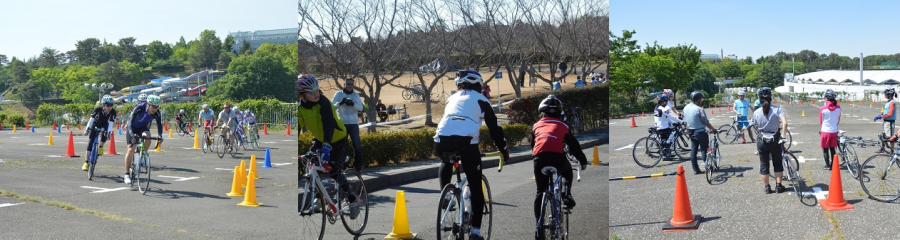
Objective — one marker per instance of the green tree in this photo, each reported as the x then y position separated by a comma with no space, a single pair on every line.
49,58
770,76
224,59
228,44
205,53
119,73
704,81
72,84
3,60
686,58
87,51
254,77
47,79
157,50
245,48
128,51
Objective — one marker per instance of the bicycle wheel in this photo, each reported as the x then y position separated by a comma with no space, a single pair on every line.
488,214
133,170
406,94
709,167
221,146
790,140
355,223
683,142
880,178
792,172
546,222
205,142
234,147
144,174
646,152
92,161
312,222
447,225
681,152
563,214
181,130
190,130
727,134
852,161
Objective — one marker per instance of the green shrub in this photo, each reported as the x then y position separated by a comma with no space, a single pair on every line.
17,119
593,101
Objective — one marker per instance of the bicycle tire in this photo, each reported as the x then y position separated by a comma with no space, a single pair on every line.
220,146
92,161
682,141
205,143
682,153
446,231
563,213
134,163
650,152
358,188
727,133
144,174
406,94
488,209
879,170
852,161
793,172
181,130
190,131
310,226
234,148
790,140
545,223
709,167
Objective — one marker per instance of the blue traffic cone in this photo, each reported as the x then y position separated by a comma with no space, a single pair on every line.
120,131
268,163
32,128
59,130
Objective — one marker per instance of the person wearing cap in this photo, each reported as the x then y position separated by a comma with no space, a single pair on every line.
771,122
741,108
664,122
696,120
888,115
829,118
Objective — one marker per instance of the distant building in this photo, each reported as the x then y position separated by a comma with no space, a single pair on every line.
713,57
258,37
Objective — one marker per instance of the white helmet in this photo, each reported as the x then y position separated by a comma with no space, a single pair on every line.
468,76
181,111
205,106
235,109
142,97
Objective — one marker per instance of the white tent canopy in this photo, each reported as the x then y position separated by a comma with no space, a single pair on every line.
850,77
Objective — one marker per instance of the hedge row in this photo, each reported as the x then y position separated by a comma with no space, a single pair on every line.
386,148
593,101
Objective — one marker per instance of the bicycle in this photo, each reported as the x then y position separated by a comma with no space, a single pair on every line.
885,190
316,198
92,158
240,137
223,147
884,144
654,151
141,165
253,138
574,161
185,129
729,133
454,224
713,157
208,139
553,222
848,154
791,169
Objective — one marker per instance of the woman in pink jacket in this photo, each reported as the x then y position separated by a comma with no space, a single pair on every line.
829,117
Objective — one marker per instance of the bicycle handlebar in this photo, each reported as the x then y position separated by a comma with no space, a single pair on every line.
492,154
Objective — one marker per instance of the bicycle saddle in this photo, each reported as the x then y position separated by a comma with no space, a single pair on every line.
548,170
450,157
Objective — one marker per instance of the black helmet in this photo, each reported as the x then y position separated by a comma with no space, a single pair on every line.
696,95
829,94
662,98
551,104
764,93
889,91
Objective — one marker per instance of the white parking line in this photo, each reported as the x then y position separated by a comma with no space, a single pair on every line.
103,190
178,179
280,164
10,204
803,159
225,169
629,146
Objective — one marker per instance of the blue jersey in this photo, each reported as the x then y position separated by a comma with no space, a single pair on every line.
742,106
140,118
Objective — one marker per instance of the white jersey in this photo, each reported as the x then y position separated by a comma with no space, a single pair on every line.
663,118
463,115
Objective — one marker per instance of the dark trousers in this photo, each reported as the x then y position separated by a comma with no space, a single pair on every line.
338,155
699,142
471,165
769,151
563,168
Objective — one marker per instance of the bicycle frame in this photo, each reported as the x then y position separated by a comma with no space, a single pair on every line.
554,189
459,187
312,168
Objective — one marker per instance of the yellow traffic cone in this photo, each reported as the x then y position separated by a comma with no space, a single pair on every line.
196,141
250,195
170,132
14,128
400,230
50,142
244,173
253,167
596,156
158,147
803,114
236,183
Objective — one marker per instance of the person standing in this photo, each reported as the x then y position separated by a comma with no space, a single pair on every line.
771,121
348,104
562,70
556,85
741,108
696,120
888,115
486,91
829,118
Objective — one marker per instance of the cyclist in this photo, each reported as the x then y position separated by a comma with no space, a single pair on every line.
829,118
239,119
888,115
741,107
250,120
179,117
226,117
459,131
770,120
320,118
206,116
142,98
696,120
139,123
102,117
671,104
664,119
550,134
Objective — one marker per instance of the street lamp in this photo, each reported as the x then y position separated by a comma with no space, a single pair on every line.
99,88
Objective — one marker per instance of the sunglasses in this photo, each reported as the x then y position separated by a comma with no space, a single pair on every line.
108,105
154,106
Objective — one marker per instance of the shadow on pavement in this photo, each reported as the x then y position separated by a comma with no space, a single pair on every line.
416,190
171,194
157,168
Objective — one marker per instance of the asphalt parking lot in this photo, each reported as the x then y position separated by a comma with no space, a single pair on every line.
49,196
734,205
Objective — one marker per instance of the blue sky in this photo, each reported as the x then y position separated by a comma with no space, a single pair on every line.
758,28
29,26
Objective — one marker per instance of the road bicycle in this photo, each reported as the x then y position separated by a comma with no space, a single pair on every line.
253,136
730,133
223,147
847,154
553,222
185,128
879,176
455,224
95,152
713,157
319,203
652,151
140,166
791,169
208,140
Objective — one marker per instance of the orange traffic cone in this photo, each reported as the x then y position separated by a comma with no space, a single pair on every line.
26,125
1,126
712,112
642,114
288,133
682,217
236,184
54,126
265,129
250,195
112,145
67,127
632,121
166,127
720,109
835,200
70,150
79,126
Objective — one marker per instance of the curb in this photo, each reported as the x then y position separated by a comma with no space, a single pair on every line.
384,177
